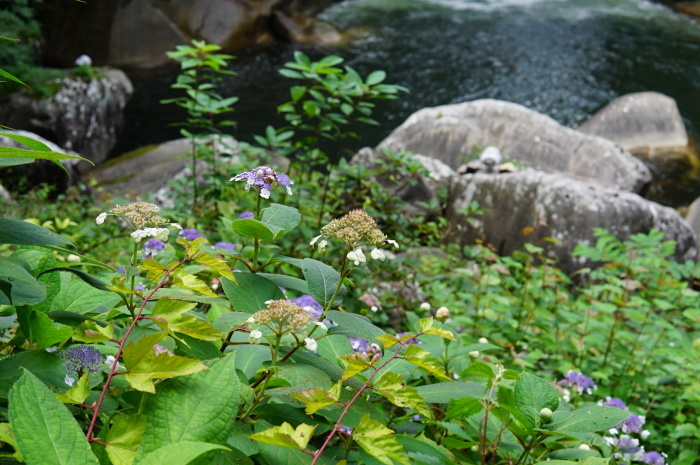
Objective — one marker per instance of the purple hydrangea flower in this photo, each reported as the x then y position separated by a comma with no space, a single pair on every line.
190,234
345,429
140,287
363,347
121,270
308,301
632,424
81,359
245,215
653,458
225,245
578,381
628,445
262,178
615,402
152,247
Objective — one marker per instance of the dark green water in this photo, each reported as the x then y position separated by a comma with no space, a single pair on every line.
564,58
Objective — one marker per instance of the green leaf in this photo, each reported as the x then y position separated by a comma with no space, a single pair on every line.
287,282
393,387
78,393
286,436
442,393
48,367
168,314
6,436
357,363
78,297
40,259
375,77
27,141
124,437
143,365
318,397
17,285
180,453
379,441
86,277
352,324
303,376
45,430
419,357
201,407
250,292
281,216
532,394
39,328
253,229
322,280
463,408
331,369
587,419
9,76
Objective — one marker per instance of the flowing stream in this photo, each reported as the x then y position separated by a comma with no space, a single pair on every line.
564,58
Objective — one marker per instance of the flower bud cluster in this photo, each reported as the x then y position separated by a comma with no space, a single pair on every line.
283,314
353,228
139,214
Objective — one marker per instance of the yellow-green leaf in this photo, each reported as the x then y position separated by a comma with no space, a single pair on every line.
7,436
219,265
388,340
419,357
78,393
392,386
286,436
357,363
440,332
168,314
143,365
425,324
379,442
89,331
124,437
190,281
317,398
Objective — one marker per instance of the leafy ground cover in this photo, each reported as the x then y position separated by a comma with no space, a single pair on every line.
281,314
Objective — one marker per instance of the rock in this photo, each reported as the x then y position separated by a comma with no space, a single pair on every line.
557,207
84,116
139,32
450,133
419,197
693,218
647,124
38,171
149,170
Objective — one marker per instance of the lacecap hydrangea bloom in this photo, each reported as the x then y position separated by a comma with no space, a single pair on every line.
263,179
143,218
281,316
81,359
190,234
579,382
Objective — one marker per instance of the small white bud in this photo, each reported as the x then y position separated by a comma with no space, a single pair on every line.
310,344
474,353
260,173
425,306
374,308
546,413
483,340
255,336
73,259
584,447
474,448
442,313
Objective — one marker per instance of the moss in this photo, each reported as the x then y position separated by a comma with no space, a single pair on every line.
129,155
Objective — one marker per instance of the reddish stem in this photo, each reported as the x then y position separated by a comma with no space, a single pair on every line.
113,369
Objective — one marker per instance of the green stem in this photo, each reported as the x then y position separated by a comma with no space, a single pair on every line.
268,375
256,242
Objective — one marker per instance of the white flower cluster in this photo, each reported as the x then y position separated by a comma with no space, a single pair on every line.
83,60
321,245
159,233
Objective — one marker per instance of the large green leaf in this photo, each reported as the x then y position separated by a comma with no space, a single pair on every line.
40,330
322,281
252,228
22,233
532,394
80,297
352,324
17,285
587,419
441,393
287,282
250,358
281,216
46,432
250,292
124,437
48,367
86,277
201,407
179,453
380,442
40,259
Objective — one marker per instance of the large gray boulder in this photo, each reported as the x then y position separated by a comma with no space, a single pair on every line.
451,132
557,207
647,124
139,32
84,116
693,218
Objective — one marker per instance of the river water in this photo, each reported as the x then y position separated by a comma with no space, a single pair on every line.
564,58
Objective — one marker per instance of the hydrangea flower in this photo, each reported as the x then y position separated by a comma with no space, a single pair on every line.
413,340
152,247
262,179
190,234
579,382
614,402
310,344
363,347
653,458
81,359
245,215
631,424
309,304
225,245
